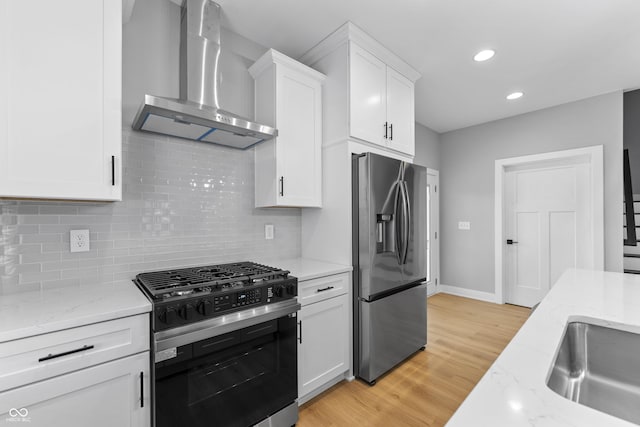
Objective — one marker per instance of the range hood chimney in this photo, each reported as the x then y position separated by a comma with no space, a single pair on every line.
197,114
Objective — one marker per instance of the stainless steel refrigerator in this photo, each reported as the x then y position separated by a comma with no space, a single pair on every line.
389,257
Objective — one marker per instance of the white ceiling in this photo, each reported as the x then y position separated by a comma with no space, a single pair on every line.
555,51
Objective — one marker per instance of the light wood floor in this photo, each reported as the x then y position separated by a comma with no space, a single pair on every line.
464,337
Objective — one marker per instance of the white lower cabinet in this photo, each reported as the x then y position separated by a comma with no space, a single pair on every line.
111,394
323,352
91,375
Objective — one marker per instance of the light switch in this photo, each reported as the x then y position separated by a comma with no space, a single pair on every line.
464,225
269,231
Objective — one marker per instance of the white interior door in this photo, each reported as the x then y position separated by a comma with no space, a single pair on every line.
433,226
547,227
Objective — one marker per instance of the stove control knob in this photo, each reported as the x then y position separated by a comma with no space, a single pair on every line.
169,316
205,308
277,290
291,289
187,312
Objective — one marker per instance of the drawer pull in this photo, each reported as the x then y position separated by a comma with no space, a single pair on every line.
113,170
325,289
66,353
142,389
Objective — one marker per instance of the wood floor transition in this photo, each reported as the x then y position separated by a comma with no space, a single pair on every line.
465,336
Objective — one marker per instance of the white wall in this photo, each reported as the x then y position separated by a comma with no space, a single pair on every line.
427,147
467,179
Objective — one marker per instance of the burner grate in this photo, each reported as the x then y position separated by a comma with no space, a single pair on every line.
173,282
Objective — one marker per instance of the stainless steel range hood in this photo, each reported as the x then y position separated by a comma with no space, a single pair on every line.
197,114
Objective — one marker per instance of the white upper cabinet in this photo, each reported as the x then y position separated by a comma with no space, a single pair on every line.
368,106
400,113
381,104
60,99
288,96
369,94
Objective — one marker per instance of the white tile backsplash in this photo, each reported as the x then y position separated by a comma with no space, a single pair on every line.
184,203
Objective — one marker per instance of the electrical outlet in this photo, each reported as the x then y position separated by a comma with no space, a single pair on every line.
464,225
79,240
269,231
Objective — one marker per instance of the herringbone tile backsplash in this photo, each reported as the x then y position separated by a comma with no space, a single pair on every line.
184,203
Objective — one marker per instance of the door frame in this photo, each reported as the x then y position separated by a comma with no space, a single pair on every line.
593,156
432,285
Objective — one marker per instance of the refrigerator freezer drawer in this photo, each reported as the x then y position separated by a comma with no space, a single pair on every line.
391,329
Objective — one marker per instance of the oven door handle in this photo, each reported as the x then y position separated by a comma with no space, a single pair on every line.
199,331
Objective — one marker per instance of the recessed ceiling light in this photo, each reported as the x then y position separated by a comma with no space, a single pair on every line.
514,95
484,55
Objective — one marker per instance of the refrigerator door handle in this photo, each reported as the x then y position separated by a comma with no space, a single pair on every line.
406,213
397,208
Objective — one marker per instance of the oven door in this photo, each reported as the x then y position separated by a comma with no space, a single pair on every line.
235,379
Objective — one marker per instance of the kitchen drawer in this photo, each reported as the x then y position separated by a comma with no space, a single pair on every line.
32,359
314,290
113,394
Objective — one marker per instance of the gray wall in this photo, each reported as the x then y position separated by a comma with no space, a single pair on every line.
427,147
632,135
184,203
467,179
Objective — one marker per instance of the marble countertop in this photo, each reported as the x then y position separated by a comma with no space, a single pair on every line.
513,392
39,312
307,269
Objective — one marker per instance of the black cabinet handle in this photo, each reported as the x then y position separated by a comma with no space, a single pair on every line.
66,353
324,289
300,326
511,242
142,389
385,129
113,170
391,132
282,185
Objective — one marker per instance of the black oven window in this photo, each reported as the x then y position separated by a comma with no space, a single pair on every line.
236,379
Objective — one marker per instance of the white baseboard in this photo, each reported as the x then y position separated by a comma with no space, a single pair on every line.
432,289
469,293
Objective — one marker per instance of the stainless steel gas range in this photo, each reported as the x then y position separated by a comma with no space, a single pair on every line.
224,345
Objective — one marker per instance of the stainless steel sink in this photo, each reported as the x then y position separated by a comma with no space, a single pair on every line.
599,367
